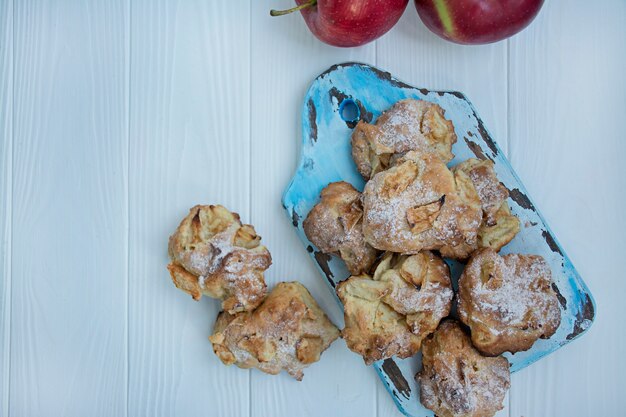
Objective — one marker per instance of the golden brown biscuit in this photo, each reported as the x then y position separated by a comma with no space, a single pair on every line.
507,301
409,125
214,254
490,191
390,313
372,328
498,226
456,380
287,331
334,225
504,229
419,204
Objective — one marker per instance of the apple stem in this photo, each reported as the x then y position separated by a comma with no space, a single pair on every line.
310,3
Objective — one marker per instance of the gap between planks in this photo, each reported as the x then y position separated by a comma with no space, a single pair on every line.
7,239
128,55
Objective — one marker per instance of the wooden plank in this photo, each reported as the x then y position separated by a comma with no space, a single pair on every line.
566,120
190,115
417,56
68,319
286,58
6,150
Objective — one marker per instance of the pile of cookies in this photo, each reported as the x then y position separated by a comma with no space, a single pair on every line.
413,211
212,253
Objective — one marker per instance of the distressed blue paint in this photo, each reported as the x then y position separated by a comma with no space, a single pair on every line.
328,158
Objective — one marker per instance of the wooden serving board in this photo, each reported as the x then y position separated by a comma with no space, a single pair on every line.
348,92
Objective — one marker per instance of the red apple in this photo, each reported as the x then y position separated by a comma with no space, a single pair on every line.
348,22
477,21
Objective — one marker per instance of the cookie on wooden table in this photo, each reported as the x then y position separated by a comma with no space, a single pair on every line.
456,380
288,331
214,254
419,204
408,125
507,301
390,313
334,225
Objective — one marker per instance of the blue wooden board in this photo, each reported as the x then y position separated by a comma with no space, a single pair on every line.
353,91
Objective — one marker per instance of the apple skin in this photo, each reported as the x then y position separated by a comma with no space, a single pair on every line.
475,22
348,23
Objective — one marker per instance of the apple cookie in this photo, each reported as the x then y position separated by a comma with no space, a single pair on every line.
498,226
390,313
456,380
334,225
287,331
419,204
214,254
507,301
409,125
491,192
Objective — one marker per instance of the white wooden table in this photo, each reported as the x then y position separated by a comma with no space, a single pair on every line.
116,116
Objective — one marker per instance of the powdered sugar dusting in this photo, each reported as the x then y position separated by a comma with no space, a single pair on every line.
507,295
401,127
197,261
432,297
457,380
489,189
222,246
386,225
268,338
334,225
516,295
209,243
